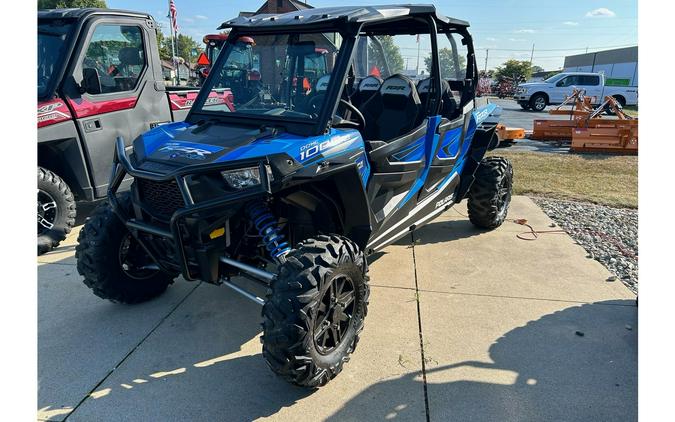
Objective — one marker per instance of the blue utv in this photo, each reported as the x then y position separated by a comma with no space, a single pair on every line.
306,170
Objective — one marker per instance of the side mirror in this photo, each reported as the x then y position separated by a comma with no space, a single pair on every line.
91,83
560,83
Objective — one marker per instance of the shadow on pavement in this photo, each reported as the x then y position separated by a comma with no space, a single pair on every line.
545,371
440,231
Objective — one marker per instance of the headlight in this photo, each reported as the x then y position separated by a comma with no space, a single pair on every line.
521,90
242,178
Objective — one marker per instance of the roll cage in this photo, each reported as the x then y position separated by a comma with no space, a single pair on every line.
350,23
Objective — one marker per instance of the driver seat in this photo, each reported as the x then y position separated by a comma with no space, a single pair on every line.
392,111
366,88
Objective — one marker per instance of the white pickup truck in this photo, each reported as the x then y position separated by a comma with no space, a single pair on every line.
537,95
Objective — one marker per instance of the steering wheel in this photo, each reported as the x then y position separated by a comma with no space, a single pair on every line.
361,124
315,103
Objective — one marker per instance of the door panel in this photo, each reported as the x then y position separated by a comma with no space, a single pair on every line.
451,137
124,102
395,167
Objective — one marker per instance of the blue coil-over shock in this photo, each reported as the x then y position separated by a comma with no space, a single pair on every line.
266,224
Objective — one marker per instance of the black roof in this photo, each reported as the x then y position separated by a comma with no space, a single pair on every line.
351,14
86,11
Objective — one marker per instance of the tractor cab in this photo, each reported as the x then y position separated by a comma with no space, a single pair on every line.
213,45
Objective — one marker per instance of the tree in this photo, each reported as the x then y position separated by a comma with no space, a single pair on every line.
520,69
536,69
164,49
185,47
66,4
489,74
391,52
447,64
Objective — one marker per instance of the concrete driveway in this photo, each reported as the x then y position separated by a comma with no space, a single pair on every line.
463,325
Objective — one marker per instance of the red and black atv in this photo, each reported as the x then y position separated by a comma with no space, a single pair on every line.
99,77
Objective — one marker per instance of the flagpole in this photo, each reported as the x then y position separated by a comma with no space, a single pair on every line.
173,47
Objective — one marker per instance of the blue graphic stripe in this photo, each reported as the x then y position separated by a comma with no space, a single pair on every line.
431,141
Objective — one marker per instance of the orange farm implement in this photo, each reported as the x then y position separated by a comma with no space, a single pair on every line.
507,134
586,128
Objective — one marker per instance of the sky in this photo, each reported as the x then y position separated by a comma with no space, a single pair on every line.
507,28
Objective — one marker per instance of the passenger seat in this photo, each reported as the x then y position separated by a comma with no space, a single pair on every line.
448,103
392,111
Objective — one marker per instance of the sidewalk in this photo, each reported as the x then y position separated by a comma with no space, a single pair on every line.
462,325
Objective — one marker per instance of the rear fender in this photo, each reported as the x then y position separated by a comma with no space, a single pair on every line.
484,139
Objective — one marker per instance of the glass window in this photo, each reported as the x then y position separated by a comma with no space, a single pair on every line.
116,53
274,75
569,81
52,36
589,80
452,56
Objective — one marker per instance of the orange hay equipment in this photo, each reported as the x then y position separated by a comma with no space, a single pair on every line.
507,134
561,130
607,135
586,128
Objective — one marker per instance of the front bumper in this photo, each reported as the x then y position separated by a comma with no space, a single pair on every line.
182,233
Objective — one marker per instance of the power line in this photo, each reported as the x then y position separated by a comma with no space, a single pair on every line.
539,49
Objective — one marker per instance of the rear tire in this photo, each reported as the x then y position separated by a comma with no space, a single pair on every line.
306,339
56,210
490,193
111,261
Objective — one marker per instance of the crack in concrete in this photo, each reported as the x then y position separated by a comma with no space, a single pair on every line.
502,296
419,325
161,321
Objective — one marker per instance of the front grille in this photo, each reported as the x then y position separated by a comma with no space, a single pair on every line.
162,198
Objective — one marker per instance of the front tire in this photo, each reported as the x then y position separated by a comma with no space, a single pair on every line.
315,310
56,210
538,102
490,193
113,264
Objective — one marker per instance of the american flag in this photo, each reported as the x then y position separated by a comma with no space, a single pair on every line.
173,14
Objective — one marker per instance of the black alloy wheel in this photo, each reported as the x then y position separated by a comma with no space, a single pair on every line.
47,211
334,314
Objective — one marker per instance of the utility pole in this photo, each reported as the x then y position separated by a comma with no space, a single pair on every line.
487,53
417,68
532,55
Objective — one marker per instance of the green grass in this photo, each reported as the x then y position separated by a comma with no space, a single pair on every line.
632,111
602,179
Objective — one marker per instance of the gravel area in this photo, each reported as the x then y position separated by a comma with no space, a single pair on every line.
608,234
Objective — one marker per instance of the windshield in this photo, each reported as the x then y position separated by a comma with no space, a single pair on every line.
282,75
554,78
52,37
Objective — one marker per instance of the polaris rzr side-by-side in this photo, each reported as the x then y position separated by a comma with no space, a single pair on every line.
295,186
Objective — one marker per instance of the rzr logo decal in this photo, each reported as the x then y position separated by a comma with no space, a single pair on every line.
49,107
176,150
444,201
